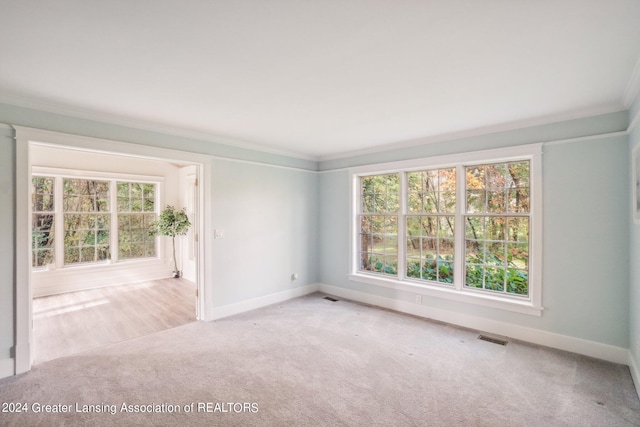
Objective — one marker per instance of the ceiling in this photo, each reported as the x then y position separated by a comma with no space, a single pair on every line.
320,78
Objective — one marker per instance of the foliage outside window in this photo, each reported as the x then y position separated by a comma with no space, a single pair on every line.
87,220
464,227
379,224
42,220
497,227
136,215
430,224
81,210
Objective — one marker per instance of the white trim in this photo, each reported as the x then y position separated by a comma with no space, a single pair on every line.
633,86
587,138
67,173
85,276
635,373
25,137
468,296
23,296
635,184
146,125
595,349
469,158
503,127
271,165
635,122
252,304
532,304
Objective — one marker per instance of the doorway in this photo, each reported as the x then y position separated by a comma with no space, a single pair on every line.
29,141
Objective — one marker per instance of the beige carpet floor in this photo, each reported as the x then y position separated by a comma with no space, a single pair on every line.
313,362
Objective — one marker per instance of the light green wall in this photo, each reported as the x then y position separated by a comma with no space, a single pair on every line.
266,203
585,263
606,123
60,123
282,217
269,216
634,254
7,243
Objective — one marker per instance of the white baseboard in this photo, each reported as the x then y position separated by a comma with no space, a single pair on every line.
252,304
80,278
635,374
7,367
549,339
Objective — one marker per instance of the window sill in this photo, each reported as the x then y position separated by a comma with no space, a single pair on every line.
465,296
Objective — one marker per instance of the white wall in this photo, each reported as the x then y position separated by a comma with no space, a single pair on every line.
73,278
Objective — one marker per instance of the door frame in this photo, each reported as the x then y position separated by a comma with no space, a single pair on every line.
25,139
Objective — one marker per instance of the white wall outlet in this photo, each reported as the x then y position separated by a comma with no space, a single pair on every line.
418,299
294,277
218,234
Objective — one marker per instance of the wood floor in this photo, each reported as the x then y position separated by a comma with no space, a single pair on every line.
69,323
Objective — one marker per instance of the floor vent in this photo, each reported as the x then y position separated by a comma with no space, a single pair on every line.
330,299
492,340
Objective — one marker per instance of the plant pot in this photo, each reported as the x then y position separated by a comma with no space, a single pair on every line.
177,274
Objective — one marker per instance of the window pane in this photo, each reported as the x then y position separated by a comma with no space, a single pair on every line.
476,201
494,278
474,227
496,201
518,200
474,276
379,233
518,229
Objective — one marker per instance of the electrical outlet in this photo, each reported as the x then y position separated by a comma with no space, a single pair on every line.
218,234
418,299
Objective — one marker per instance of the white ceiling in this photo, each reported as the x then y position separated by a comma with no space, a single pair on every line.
320,78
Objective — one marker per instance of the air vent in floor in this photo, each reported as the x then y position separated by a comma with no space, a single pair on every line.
330,299
492,340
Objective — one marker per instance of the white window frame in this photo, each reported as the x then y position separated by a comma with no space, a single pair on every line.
61,173
531,305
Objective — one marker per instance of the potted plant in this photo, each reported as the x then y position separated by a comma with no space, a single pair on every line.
172,222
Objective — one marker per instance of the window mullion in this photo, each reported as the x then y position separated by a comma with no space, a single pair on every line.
402,225
458,282
113,230
58,201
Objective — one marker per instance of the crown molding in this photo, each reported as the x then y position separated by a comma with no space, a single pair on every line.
487,130
633,86
145,125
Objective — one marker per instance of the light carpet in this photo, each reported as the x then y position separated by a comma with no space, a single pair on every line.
313,362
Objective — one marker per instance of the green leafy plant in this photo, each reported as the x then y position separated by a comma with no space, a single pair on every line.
171,222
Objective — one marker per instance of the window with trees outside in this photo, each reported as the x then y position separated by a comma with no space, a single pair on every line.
82,211
42,221
87,220
466,229
136,213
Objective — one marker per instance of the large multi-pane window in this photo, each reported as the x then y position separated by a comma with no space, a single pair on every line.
465,227
42,220
136,213
95,218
